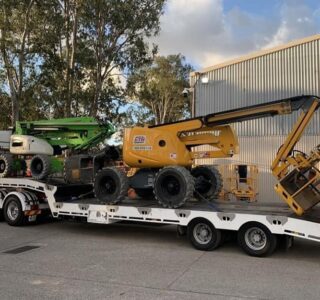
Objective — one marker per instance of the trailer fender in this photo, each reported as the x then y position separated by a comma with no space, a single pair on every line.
194,219
3,194
26,199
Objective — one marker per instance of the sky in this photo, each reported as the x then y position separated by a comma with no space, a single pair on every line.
209,32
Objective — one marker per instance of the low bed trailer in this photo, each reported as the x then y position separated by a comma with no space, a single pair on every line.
259,227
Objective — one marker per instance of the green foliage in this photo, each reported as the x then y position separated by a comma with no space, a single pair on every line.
159,86
23,32
67,57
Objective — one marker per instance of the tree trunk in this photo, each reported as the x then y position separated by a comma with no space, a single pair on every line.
72,57
15,81
10,78
67,71
100,23
70,12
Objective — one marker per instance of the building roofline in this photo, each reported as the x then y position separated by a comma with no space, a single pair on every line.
257,54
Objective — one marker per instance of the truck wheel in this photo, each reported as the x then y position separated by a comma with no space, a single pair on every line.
256,239
203,235
208,182
111,185
173,186
40,166
6,165
13,213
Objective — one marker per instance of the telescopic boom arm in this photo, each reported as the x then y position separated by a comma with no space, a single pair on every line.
280,107
74,133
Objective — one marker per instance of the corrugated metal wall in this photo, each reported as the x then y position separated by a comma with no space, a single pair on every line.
284,73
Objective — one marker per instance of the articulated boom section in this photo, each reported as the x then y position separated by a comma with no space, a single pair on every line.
74,133
297,172
222,139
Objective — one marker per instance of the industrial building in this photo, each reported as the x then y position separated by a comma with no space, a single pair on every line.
282,72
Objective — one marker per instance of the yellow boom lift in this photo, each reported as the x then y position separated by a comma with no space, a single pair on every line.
164,155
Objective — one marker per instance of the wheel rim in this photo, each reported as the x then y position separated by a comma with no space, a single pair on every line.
170,186
202,233
37,166
255,238
109,185
203,184
13,211
2,166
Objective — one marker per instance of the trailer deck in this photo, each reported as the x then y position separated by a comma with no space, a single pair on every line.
77,201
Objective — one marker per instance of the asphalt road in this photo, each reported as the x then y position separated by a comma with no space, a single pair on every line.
88,261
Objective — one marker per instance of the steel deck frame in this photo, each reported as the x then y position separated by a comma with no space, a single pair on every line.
278,218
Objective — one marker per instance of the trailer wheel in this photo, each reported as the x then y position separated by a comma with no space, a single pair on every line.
13,213
208,182
256,239
173,186
40,166
203,235
6,164
111,185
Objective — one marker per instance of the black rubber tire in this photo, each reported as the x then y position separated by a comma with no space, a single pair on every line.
6,165
173,186
208,182
267,248
40,166
144,193
111,185
214,238
20,218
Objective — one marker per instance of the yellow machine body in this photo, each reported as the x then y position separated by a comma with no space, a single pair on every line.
173,144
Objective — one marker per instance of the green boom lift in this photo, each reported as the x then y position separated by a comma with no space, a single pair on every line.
45,142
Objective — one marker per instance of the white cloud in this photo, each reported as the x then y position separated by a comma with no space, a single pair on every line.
192,27
296,23
206,35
